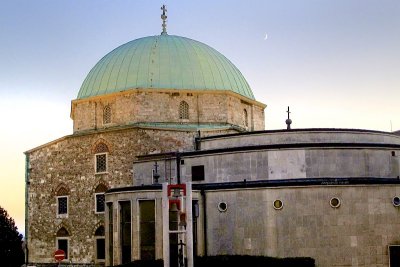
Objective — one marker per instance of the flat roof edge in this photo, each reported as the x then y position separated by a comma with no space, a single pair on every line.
328,181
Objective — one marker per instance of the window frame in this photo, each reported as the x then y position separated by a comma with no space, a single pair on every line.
96,247
184,109
139,225
109,232
67,255
107,114
202,177
62,215
245,118
95,203
95,162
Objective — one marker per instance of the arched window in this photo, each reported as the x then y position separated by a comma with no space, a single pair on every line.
183,111
62,240
107,114
99,198
101,153
245,118
100,243
62,201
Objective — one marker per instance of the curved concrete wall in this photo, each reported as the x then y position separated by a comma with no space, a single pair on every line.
299,136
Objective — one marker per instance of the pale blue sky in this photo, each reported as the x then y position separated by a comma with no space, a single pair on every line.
336,63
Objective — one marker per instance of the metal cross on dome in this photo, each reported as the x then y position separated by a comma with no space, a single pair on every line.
164,19
288,121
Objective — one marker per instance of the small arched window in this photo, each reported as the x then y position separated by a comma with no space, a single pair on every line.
100,243
101,152
245,118
184,110
62,240
107,114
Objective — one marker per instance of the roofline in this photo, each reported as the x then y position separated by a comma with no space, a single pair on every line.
129,127
325,181
47,144
268,147
349,130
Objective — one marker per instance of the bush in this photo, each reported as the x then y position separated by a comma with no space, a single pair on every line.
233,261
11,253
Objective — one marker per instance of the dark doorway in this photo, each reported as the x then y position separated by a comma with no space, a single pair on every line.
394,254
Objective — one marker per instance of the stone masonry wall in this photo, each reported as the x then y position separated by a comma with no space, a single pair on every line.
159,106
70,162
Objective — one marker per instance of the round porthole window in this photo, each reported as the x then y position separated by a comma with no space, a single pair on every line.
396,201
335,202
278,204
222,206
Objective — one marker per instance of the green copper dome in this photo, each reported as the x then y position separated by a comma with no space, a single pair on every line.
164,62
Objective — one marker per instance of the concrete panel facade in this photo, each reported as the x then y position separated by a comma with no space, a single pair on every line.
315,136
276,164
356,233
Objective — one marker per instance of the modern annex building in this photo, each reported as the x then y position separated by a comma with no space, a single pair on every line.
169,110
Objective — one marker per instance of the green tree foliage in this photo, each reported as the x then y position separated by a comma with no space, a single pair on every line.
11,253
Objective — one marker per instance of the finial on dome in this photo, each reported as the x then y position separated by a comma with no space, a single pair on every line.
288,121
164,19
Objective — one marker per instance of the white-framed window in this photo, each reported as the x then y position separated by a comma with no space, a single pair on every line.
99,199
62,241
62,201
101,162
62,205
101,158
63,244
100,244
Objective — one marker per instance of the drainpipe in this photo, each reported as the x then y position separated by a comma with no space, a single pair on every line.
178,167
197,141
26,206
203,194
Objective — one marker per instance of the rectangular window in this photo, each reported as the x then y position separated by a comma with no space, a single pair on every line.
198,173
101,162
110,233
125,208
99,198
394,256
147,229
101,248
63,245
62,205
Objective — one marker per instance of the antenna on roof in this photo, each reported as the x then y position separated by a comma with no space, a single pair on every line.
164,19
288,121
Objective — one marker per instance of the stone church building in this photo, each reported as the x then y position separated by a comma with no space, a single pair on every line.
168,109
